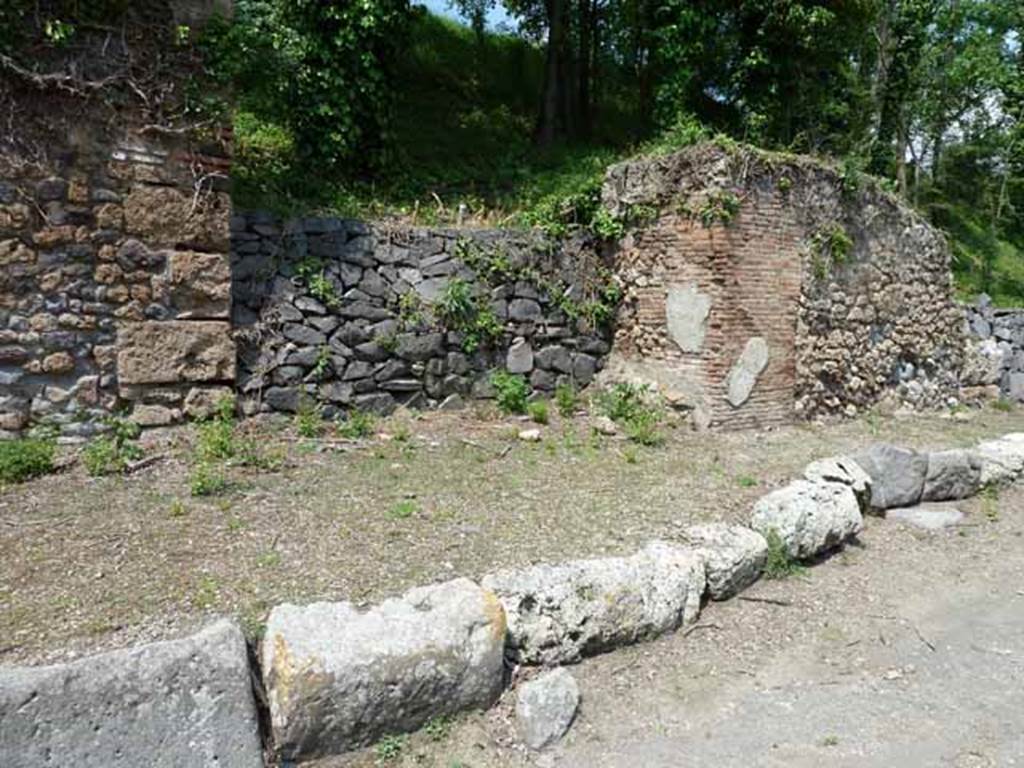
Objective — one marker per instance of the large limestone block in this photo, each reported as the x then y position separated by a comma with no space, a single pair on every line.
734,556
951,475
558,614
338,677
983,363
745,372
842,469
199,284
1002,459
687,310
897,475
169,216
809,517
177,703
175,351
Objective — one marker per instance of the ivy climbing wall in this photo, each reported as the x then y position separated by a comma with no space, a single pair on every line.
354,315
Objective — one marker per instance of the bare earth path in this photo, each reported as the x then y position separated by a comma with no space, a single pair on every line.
90,563
906,651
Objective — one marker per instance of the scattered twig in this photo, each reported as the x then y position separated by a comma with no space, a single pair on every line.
149,461
770,600
504,451
695,627
922,638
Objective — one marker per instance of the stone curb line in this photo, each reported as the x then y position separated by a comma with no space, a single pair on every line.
336,677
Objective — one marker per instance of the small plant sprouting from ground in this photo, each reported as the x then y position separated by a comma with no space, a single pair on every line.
780,564
309,419
356,425
510,391
990,503
628,405
390,747
26,458
438,728
721,207
206,479
112,453
403,510
629,454
566,399
746,481
177,509
217,433
538,411
1001,405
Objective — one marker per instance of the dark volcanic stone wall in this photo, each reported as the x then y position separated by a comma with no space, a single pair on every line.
347,313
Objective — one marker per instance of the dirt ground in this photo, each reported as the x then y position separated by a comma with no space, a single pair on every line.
906,649
88,563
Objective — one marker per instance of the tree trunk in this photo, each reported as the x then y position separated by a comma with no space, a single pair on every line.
585,68
551,124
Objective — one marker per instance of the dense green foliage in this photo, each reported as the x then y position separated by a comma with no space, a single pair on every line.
25,458
380,107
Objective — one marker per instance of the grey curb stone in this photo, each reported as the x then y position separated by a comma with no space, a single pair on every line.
557,614
810,518
897,475
338,677
178,703
734,556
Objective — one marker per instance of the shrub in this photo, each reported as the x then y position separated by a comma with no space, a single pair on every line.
111,453
309,418
358,424
627,405
510,391
566,399
538,411
25,458
206,480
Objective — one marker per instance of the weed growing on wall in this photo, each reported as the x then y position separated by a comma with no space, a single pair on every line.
494,266
312,272
720,207
831,246
461,311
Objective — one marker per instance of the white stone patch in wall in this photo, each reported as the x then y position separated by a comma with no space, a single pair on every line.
746,370
687,310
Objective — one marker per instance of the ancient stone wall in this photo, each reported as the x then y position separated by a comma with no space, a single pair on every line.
351,314
759,288
114,273
996,353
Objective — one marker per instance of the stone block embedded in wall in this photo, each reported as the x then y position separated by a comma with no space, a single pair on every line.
173,352
747,369
169,216
199,285
687,312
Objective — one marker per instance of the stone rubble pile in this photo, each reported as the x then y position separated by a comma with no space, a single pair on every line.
338,677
